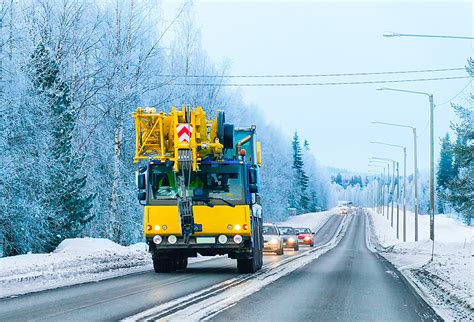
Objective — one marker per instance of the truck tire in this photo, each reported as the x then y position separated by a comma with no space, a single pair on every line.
164,264
247,265
251,265
296,248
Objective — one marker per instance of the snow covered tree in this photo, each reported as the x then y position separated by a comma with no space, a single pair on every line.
300,199
70,207
445,171
461,188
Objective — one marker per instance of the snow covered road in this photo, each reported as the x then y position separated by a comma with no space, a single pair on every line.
120,297
348,283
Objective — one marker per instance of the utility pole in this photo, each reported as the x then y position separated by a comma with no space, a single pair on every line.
393,191
404,194
398,202
415,182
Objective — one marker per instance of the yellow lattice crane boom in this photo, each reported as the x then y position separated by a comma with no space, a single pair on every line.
181,136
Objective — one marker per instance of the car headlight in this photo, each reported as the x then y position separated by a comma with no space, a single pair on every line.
273,241
291,240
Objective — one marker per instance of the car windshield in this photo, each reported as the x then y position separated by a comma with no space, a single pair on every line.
212,182
269,230
303,230
286,230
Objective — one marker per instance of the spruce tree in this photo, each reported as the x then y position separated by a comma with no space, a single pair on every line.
64,196
301,179
445,171
461,188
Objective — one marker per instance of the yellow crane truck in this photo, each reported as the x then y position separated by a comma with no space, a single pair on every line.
198,181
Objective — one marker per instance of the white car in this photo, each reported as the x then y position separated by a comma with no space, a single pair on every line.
272,240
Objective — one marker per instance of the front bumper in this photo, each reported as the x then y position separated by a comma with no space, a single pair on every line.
289,244
194,244
267,247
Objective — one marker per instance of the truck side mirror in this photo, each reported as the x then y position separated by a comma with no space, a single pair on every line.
252,176
253,188
141,181
142,195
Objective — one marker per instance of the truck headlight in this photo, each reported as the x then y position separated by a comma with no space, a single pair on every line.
222,239
238,239
157,239
172,239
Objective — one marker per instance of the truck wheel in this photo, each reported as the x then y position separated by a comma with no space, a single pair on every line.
250,265
163,264
296,248
181,264
247,265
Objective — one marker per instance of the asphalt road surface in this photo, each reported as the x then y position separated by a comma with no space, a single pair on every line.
113,299
349,283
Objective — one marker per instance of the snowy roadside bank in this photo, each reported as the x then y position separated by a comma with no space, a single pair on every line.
313,220
447,281
74,261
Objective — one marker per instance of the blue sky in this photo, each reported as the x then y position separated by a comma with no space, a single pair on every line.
301,37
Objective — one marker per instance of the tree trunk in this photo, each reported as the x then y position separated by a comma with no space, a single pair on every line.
114,225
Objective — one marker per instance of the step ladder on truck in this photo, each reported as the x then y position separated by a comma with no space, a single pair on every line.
198,182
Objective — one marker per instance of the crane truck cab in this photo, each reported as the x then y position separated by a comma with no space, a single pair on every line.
198,182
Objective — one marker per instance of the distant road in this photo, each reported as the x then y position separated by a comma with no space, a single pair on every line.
117,298
349,283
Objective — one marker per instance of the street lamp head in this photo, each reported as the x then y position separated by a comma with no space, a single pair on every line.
390,34
374,122
380,88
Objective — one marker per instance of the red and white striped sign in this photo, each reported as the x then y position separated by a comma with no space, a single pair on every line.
184,131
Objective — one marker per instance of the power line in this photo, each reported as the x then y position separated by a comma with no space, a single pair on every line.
449,101
319,75
321,84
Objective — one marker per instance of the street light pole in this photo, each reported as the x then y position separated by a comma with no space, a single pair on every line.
415,175
404,194
432,237
415,182
391,182
432,186
382,188
392,193
398,186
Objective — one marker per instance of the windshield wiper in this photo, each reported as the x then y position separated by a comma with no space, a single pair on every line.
208,199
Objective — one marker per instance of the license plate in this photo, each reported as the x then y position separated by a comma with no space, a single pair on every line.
205,240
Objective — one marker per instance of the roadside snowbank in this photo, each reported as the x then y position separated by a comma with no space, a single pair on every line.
448,280
312,220
74,261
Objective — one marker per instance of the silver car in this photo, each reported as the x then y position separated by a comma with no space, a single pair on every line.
290,238
272,241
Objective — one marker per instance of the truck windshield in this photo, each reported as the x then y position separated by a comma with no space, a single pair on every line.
211,183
